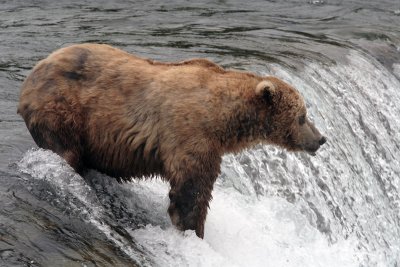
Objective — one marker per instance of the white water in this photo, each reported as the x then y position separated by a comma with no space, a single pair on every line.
272,208
240,230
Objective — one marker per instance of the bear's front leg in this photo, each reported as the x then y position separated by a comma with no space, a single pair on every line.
189,203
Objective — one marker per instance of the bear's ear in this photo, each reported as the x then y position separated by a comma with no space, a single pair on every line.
266,90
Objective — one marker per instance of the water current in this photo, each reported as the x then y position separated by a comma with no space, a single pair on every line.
270,207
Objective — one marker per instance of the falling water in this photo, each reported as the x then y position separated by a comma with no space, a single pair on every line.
269,207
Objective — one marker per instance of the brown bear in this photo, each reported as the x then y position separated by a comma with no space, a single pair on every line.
100,107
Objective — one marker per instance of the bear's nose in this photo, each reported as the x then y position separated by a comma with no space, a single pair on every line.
322,140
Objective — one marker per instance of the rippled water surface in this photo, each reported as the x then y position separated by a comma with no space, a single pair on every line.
270,207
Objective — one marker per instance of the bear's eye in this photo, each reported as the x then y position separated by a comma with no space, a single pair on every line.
302,120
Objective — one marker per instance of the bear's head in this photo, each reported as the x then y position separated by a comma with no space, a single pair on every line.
285,121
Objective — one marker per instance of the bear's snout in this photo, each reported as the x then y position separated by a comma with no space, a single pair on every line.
310,139
322,140
312,147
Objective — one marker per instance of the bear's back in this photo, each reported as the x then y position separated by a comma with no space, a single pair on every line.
127,113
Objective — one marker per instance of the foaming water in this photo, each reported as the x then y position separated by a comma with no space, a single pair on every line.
72,189
241,230
351,188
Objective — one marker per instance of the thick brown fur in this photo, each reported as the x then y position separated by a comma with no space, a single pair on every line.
126,116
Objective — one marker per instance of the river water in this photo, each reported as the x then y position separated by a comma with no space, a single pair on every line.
270,207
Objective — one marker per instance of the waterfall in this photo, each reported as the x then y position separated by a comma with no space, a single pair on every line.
271,207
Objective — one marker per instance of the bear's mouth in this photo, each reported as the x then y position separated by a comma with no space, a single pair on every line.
312,153
311,150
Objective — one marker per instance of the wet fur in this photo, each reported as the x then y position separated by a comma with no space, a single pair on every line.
126,116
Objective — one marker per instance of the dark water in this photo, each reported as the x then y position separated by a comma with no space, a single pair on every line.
344,205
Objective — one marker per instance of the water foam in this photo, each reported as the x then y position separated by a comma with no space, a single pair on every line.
47,166
241,230
352,186
248,231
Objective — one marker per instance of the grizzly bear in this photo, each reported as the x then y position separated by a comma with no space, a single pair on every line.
102,108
